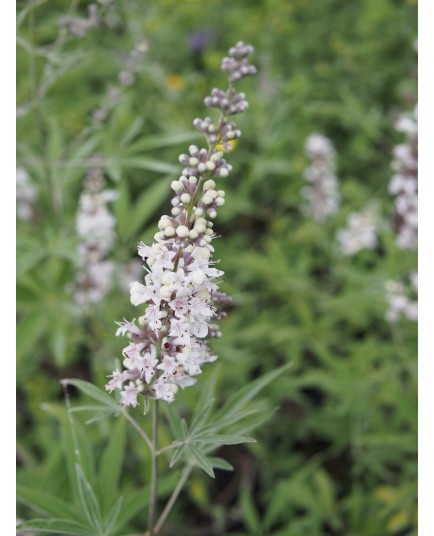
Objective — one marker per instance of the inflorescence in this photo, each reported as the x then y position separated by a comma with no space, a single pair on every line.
322,194
404,182
168,343
96,229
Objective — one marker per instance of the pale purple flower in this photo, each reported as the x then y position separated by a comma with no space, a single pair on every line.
129,395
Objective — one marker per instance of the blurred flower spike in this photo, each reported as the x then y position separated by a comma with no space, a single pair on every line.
168,342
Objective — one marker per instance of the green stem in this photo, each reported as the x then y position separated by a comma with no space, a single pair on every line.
172,500
137,427
154,470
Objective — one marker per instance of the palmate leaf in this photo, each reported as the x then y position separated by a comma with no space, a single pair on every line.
202,437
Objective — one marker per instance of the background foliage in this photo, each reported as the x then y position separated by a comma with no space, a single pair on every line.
338,455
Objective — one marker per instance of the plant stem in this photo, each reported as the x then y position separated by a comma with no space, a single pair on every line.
173,498
141,432
154,470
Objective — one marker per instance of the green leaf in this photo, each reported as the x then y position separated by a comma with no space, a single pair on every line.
156,142
29,254
216,439
45,503
94,392
220,463
201,460
57,340
146,206
173,421
201,416
146,163
111,465
122,210
247,393
223,422
132,131
110,523
179,451
55,526
88,501
136,501
29,330
250,513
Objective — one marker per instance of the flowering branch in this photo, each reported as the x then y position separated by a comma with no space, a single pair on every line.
168,343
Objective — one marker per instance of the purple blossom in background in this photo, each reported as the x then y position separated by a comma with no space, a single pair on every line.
198,41
322,194
404,182
168,343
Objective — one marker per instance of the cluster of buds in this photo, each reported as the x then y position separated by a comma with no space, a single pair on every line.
404,182
168,343
127,76
96,229
26,195
78,27
361,232
322,194
401,304
228,131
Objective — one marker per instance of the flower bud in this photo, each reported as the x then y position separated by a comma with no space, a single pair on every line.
182,231
209,184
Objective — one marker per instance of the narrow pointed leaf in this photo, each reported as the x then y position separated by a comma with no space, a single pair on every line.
111,465
88,500
56,526
201,416
220,463
174,421
216,439
247,393
45,503
226,421
94,392
177,455
110,523
201,460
